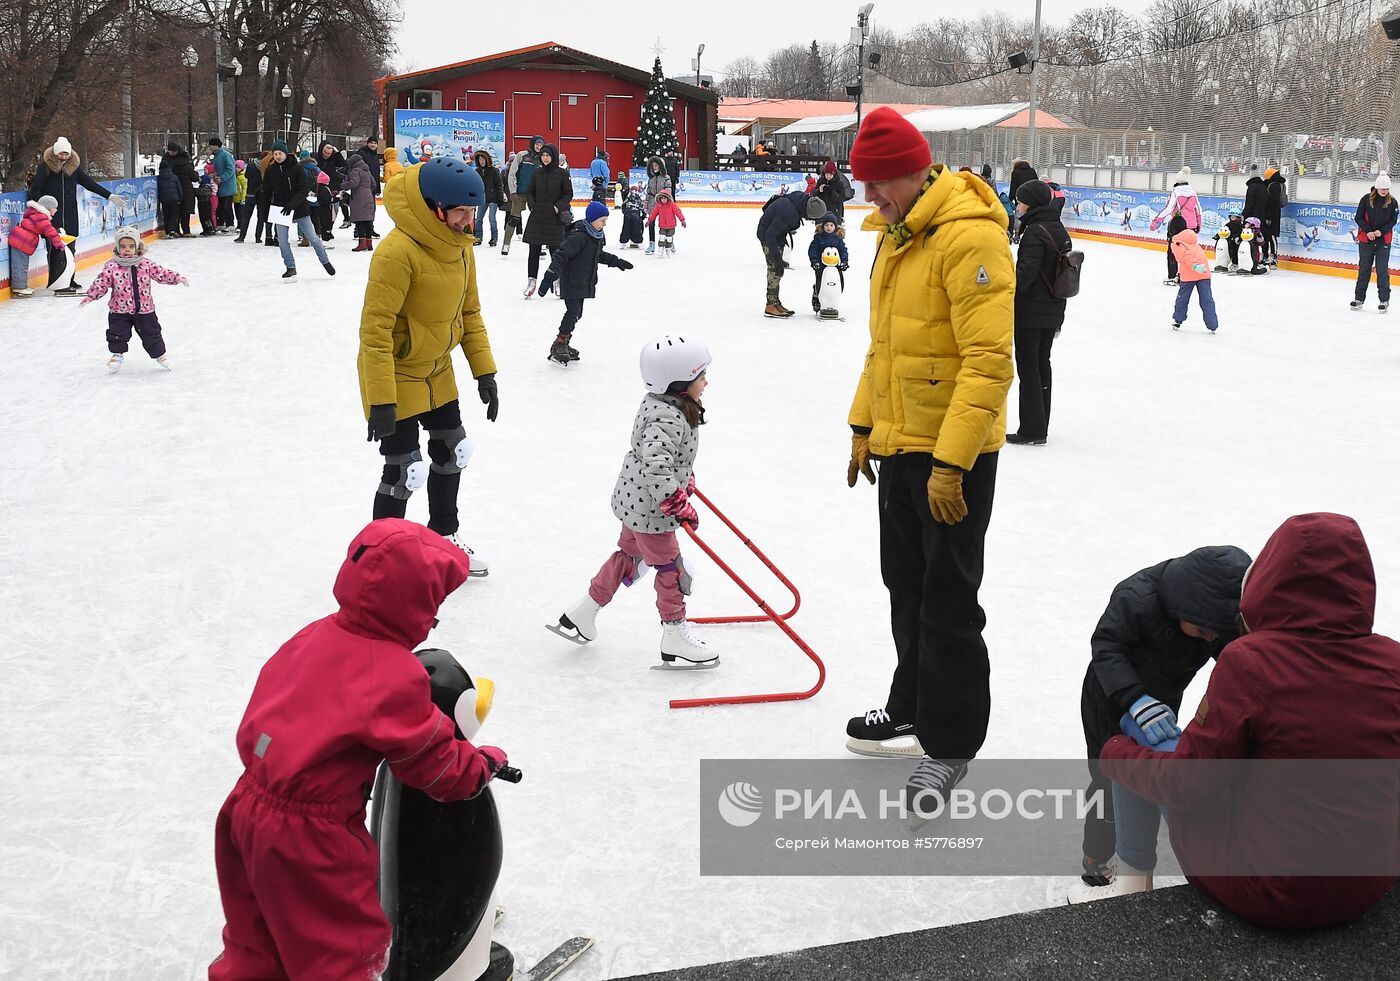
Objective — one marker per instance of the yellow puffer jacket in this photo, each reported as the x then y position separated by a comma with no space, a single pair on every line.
392,167
941,312
420,304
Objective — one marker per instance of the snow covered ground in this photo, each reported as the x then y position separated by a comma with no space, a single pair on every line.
162,534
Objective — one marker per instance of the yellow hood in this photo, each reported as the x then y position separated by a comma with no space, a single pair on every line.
953,196
391,153
404,202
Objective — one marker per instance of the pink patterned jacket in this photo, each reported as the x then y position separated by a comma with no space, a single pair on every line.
118,279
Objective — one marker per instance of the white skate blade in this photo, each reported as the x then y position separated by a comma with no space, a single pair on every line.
681,664
478,573
562,631
900,747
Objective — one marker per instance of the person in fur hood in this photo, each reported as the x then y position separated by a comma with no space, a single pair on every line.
1182,203
129,275
59,176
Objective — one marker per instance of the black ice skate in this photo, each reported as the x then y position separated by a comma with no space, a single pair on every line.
926,793
561,353
876,734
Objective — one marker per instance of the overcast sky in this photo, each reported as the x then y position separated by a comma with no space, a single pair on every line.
437,32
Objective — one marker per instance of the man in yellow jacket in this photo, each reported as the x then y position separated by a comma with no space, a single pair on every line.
931,406
420,304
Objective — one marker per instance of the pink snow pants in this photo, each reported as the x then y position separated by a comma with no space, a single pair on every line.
657,551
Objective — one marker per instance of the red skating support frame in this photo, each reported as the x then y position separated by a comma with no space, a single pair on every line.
768,614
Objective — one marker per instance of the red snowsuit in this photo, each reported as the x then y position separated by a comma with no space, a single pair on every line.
297,867
1310,681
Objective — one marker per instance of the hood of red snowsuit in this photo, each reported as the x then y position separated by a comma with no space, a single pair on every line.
395,576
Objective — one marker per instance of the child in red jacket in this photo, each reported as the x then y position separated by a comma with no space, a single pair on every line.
666,214
24,240
129,275
297,867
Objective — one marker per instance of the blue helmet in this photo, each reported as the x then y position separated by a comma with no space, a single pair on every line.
448,183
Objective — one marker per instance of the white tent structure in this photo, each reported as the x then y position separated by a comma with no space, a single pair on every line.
964,134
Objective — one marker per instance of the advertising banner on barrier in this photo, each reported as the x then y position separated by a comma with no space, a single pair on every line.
712,186
98,219
1320,232
421,134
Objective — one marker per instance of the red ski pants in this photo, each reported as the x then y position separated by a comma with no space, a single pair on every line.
297,882
657,551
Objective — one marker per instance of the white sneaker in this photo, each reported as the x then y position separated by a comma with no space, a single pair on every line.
583,618
479,566
164,361
114,363
1126,881
530,289
21,292
678,640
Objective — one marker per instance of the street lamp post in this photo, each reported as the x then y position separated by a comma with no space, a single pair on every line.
232,70
287,112
190,58
858,35
262,93
698,52
311,101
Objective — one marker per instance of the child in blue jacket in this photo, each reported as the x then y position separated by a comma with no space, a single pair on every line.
826,237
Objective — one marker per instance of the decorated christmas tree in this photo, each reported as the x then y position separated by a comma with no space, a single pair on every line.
656,134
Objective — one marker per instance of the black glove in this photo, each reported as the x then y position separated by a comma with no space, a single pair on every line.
382,422
547,283
486,388
624,265
844,266
816,267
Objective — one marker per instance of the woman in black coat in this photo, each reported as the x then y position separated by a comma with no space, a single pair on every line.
1039,315
171,188
834,190
548,197
495,189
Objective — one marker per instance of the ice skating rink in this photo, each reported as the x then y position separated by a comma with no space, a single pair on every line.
163,534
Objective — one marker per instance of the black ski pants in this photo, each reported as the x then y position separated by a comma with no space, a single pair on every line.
1033,371
442,487
933,571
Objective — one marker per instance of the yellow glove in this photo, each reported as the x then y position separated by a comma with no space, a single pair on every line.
945,496
860,459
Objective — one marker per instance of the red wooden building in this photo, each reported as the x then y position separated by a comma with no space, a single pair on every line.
573,99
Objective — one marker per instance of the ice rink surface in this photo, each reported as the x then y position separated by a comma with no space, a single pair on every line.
163,534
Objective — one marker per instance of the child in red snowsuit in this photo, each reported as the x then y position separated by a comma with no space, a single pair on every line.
666,214
297,867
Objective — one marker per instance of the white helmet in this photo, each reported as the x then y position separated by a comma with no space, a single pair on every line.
673,359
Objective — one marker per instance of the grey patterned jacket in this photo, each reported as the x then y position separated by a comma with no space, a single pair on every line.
660,461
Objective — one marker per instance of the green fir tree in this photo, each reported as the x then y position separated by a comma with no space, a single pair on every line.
656,134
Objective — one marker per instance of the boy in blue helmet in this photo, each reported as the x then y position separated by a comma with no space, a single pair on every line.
574,266
420,303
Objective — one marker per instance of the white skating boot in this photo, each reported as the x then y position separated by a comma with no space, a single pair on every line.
530,288
1126,881
164,362
114,363
681,649
479,566
579,622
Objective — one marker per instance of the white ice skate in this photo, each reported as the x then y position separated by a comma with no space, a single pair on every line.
163,362
1126,881
579,623
114,363
681,650
530,288
479,566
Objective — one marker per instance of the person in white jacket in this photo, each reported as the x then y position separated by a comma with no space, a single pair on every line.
1182,203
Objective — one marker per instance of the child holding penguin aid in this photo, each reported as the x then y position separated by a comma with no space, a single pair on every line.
652,500
574,266
129,275
827,237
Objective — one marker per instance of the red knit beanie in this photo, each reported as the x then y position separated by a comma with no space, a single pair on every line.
888,146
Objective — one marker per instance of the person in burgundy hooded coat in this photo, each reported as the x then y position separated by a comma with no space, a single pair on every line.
1309,680
297,868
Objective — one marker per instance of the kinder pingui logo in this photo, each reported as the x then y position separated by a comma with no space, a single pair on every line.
740,804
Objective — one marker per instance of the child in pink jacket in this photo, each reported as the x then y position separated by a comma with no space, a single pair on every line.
24,239
666,214
1194,270
129,275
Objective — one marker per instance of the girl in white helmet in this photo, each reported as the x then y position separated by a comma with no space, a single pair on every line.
652,500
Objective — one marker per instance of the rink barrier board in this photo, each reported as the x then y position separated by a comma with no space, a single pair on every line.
1296,264
96,226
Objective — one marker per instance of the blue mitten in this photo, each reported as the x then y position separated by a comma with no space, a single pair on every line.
1131,730
1154,719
